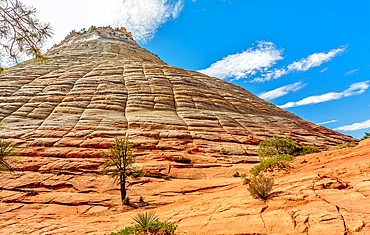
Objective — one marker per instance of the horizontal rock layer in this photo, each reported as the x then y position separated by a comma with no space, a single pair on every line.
100,84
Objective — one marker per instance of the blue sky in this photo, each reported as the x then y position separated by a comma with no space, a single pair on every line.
310,57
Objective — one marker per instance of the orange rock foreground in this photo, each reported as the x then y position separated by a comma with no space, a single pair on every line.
324,193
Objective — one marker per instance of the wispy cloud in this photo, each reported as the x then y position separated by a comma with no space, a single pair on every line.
313,60
327,122
354,126
324,69
247,63
353,71
141,17
354,89
281,91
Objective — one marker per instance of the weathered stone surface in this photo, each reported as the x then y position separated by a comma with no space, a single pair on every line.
324,193
64,113
101,85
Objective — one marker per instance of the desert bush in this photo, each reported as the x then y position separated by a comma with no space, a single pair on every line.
279,161
148,223
260,186
308,149
343,145
223,151
137,173
275,146
182,160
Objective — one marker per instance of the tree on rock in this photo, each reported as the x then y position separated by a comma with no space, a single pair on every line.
118,163
20,31
366,136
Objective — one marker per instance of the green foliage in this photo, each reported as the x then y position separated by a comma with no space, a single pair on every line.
279,161
343,145
260,186
223,151
308,149
148,223
118,163
20,31
182,160
137,173
6,150
275,146
366,136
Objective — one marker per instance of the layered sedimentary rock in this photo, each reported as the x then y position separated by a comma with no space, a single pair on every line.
101,84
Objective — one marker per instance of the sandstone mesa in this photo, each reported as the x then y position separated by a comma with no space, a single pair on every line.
101,84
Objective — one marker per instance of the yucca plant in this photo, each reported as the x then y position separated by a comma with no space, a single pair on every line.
146,219
6,150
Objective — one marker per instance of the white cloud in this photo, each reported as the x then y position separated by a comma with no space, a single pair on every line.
247,63
354,89
324,69
281,91
140,17
354,126
326,122
313,60
353,71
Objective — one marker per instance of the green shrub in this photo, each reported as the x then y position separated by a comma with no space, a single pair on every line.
260,186
223,151
136,173
343,145
308,149
275,146
280,162
182,160
148,223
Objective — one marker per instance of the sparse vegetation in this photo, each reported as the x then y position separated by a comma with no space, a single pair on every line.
343,145
276,153
366,136
279,161
6,150
118,164
260,186
275,146
223,151
148,223
182,160
137,173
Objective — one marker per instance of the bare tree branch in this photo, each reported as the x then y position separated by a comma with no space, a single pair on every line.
20,31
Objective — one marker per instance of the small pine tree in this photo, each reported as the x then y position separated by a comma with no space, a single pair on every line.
20,31
118,164
366,136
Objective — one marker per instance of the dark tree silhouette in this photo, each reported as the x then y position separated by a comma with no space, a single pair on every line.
118,163
20,31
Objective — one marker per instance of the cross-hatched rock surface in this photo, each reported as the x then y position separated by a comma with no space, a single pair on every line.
101,84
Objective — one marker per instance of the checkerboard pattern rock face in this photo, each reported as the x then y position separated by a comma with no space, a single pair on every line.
101,84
